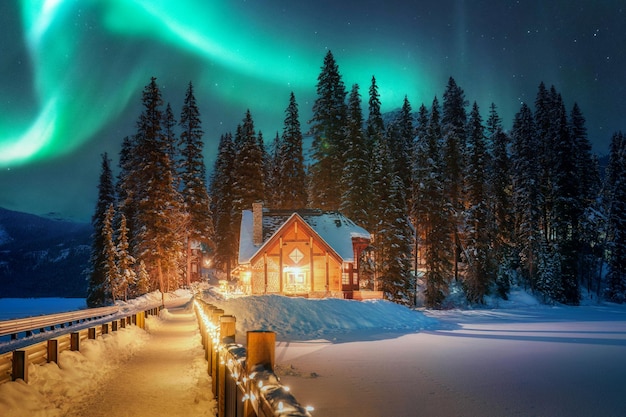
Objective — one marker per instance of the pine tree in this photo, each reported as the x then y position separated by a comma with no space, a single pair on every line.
435,211
327,126
567,208
615,196
588,175
273,180
157,201
97,292
249,168
392,230
111,272
526,196
402,145
196,200
500,192
221,188
292,187
481,271
125,261
453,124
356,198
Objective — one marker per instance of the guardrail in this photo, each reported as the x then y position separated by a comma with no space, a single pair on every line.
243,378
14,364
30,324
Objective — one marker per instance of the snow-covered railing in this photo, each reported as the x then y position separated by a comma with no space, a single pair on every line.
244,381
29,325
14,364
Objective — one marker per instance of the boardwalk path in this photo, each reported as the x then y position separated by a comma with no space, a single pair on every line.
166,378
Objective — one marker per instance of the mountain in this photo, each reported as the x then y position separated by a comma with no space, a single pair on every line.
42,257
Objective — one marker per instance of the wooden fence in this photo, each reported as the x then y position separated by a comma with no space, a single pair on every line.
14,365
243,379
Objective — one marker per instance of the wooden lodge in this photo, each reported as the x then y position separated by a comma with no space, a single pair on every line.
307,253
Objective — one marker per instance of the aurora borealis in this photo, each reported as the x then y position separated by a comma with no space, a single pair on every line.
72,71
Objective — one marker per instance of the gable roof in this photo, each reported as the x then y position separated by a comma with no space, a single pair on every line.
333,228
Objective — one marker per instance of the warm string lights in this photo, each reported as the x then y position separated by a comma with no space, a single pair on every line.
261,385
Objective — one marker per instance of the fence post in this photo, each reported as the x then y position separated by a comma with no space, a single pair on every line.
114,326
20,365
215,319
260,352
123,323
91,333
105,328
227,335
52,354
74,341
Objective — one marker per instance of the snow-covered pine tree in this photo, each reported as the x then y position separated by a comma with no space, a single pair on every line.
374,132
453,126
393,235
127,184
222,193
500,190
615,196
421,169
402,145
567,207
588,176
158,202
437,245
273,179
125,262
328,127
356,199
111,271
526,198
196,200
480,222
292,187
248,169
97,291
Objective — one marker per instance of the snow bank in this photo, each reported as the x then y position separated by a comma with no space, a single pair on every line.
306,319
52,389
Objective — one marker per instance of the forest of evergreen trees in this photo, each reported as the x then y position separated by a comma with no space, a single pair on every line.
477,208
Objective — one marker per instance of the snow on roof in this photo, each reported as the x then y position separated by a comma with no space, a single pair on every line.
332,227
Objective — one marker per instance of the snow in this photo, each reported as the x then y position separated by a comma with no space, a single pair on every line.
332,227
371,358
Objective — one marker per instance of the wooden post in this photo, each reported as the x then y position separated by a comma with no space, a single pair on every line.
105,328
74,341
260,353
91,333
52,354
123,323
114,326
260,350
20,365
227,335
215,319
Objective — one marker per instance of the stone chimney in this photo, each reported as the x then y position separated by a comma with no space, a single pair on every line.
257,224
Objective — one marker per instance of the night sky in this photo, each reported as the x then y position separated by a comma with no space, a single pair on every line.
72,72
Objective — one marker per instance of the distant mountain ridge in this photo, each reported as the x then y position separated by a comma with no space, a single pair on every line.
42,257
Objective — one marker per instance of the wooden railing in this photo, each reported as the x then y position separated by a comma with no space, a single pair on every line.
14,364
244,382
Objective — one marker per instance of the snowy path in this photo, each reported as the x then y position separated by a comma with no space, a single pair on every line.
166,378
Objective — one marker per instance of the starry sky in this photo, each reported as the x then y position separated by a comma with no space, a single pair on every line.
72,71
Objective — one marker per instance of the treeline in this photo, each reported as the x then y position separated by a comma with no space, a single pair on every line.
147,221
473,206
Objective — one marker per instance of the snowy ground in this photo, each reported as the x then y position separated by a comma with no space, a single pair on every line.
378,359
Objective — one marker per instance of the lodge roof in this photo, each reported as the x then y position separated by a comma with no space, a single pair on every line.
332,227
